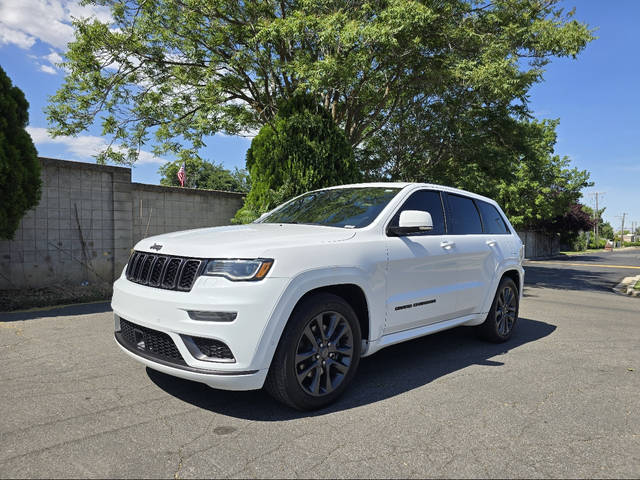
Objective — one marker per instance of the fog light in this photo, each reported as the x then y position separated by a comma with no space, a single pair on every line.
212,316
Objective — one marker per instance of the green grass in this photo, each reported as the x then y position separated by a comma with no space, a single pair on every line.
581,252
637,285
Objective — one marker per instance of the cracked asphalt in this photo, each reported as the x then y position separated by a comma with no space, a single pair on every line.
560,399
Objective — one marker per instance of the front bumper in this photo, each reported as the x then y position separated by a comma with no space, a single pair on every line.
166,311
222,379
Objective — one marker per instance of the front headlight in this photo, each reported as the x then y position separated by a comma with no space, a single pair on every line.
239,269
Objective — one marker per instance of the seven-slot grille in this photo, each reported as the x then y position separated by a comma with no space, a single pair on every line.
163,271
152,342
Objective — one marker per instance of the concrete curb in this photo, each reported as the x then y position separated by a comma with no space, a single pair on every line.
625,287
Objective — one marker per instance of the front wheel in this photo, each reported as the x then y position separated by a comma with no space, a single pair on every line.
501,320
318,353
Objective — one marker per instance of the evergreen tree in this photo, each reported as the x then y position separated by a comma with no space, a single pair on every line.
19,165
301,150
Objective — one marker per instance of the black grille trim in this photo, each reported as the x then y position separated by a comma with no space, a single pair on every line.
186,368
152,342
188,274
213,348
164,271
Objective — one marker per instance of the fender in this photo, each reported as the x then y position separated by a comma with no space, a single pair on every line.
506,265
310,280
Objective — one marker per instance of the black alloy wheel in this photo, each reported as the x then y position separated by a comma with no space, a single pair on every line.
318,353
501,320
324,353
506,310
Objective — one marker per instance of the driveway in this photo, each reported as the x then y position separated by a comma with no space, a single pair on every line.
560,399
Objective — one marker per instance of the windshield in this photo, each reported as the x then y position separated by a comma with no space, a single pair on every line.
339,207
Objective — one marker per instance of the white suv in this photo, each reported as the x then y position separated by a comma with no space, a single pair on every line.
292,301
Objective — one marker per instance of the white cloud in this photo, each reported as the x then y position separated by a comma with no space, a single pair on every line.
22,22
83,147
53,58
51,62
48,69
9,35
250,133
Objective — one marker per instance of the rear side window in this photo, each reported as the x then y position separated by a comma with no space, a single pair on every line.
491,218
465,219
427,201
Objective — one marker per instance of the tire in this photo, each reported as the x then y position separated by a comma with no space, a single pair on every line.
300,367
501,320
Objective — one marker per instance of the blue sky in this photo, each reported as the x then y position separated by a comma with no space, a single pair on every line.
596,96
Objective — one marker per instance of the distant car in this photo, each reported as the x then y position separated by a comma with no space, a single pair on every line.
294,300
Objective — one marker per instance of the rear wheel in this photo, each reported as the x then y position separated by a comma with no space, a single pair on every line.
501,320
318,353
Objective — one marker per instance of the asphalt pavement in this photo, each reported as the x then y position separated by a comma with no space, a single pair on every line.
560,399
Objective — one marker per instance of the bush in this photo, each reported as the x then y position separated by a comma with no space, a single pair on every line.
631,244
19,166
579,243
600,244
302,149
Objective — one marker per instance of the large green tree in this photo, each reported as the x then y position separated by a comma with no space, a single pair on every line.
495,153
19,165
179,70
302,149
203,174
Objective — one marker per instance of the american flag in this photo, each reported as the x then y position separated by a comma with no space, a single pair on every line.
182,175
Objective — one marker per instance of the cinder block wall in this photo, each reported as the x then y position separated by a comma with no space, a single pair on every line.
157,209
90,216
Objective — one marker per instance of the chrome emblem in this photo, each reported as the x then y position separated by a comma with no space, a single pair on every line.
155,246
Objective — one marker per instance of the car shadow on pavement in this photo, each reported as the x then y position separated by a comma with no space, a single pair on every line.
390,372
59,311
570,279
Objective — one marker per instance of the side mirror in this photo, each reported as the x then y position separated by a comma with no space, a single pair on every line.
412,221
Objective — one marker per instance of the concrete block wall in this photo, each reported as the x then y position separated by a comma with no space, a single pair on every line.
90,216
157,209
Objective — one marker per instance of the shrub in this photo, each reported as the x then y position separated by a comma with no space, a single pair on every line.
302,149
579,243
599,244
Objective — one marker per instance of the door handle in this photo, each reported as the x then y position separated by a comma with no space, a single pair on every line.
447,244
491,243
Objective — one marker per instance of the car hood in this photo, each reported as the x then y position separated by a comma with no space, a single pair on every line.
241,241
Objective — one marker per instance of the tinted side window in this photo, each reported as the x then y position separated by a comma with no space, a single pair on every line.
428,201
464,216
491,218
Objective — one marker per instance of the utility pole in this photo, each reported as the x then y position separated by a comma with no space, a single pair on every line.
623,216
596,213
